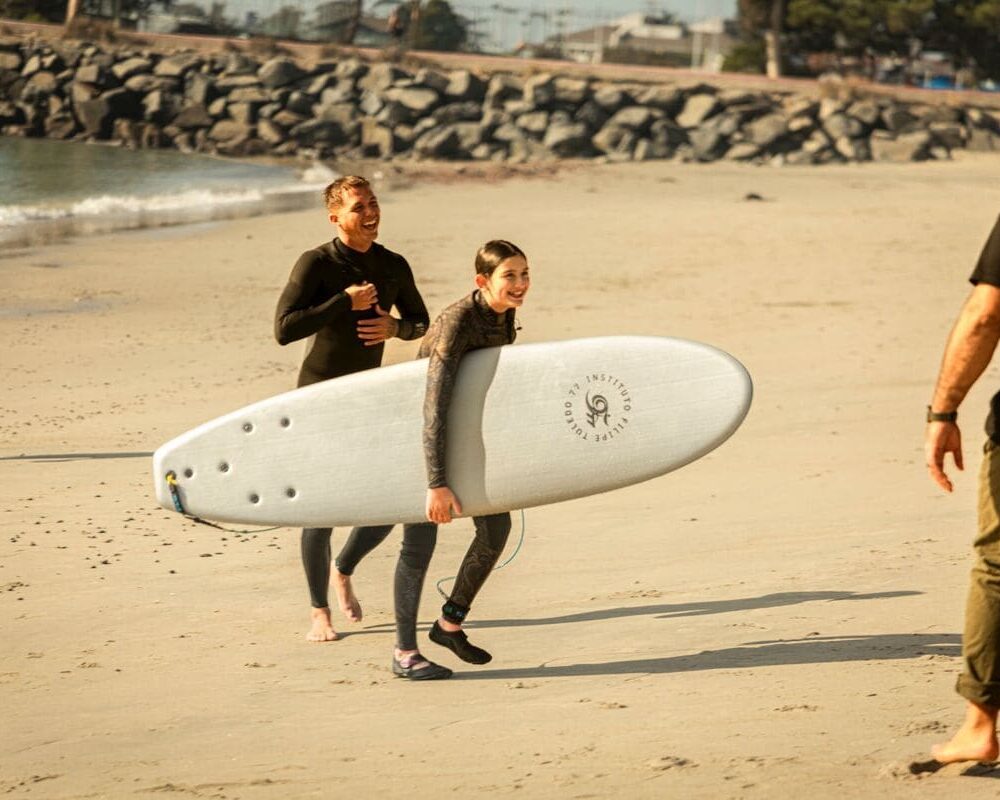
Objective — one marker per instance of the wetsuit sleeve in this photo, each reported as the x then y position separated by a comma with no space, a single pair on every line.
451,344
298,315
988,267
414,318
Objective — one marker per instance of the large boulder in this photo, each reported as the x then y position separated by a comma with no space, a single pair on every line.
668,99
534,122
11,61
146,82
418,100
913,146
439,143
431,79
615,141
200,89
177,66
571,92
39,87
97,116
766,130
227,130
193,116
124,70
378,140
160,106
841,125
468,111
707,144
280,72
380,77
568,140
697,109
465,86
635,118
611,98
539,90
318,132
502,88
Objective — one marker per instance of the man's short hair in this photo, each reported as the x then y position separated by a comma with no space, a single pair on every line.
333,194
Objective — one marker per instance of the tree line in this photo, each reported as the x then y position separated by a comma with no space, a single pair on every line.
966,30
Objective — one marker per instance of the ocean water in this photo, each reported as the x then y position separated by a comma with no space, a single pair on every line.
50,189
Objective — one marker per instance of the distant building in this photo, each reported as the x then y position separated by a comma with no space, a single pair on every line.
332,19
184,18
639,37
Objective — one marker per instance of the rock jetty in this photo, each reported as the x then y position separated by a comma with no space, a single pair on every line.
234,104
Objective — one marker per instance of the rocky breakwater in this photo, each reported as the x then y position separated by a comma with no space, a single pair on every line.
234,104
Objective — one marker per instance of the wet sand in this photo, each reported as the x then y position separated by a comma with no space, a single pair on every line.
781,618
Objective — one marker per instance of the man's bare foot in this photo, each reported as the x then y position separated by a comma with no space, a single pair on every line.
322,627
976,740
348,603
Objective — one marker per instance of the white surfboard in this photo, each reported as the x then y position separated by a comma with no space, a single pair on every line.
528,425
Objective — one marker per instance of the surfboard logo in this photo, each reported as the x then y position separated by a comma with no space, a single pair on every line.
597,407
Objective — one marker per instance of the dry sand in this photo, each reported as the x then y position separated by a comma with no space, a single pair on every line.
779,619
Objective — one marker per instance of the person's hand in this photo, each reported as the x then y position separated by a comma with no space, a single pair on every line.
940,439
362,295
377,330
440,504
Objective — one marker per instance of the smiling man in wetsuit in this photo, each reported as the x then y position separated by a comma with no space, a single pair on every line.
341,293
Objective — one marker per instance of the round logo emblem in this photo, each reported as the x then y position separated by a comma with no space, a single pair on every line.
597,407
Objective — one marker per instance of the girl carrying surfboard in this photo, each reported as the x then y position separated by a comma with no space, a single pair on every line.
484,318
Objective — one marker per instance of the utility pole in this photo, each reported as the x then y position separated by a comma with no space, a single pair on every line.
72,9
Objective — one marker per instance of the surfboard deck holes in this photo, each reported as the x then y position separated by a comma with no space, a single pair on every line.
254,498
248,427
223,466
290,492
189,473
285,422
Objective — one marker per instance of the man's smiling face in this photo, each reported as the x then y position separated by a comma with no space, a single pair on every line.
357,219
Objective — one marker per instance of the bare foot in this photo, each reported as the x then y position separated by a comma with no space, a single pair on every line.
348,603
976,740
322,627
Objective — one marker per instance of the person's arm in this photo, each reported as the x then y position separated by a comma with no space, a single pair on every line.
296,317
970,347
414,319
442,369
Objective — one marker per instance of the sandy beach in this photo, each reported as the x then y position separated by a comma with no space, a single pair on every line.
779,619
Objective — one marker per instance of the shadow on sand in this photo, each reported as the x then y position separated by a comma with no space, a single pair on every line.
782,652
73,456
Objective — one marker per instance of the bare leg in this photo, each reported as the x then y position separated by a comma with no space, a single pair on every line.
322,627
316,561
360,543
349,605
976,740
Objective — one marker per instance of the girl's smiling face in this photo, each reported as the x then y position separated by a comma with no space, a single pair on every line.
506,286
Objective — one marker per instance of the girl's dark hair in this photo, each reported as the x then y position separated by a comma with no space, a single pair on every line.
494,253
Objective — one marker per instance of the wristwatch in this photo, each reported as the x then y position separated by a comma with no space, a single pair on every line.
941,416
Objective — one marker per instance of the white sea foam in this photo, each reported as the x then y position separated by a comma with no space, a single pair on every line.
318,175
191,201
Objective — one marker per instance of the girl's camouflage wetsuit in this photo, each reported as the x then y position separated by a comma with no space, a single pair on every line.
467,325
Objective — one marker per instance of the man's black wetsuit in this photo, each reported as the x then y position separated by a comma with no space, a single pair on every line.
468,324
315,303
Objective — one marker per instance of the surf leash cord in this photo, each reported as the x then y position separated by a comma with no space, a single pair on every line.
517,549
175,496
